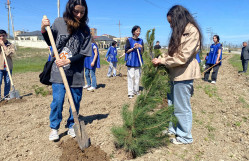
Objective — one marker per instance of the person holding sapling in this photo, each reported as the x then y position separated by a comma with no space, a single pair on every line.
133,47
185,42
73,42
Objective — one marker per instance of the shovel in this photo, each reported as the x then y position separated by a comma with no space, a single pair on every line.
139,58
79,126
213,66
13,93
120,74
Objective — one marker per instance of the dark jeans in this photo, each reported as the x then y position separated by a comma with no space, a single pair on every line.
4,75
57,105
244,64
214,74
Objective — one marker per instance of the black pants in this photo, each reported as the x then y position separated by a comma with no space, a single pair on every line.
244,64
214,74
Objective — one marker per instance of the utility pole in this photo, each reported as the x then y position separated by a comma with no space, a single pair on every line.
12,24
8,4
119,34
210,33
58,6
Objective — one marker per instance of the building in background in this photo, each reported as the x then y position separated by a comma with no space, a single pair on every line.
30,36
121,42
103,42
93,31
109,36
16,33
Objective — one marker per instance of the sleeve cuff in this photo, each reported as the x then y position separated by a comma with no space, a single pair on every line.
163,60
43,32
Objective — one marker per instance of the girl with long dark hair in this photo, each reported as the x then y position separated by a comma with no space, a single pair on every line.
214,57
184,44
73,42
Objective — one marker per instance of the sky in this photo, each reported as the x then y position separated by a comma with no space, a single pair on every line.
227,18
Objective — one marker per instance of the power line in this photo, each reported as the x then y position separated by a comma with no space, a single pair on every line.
155,5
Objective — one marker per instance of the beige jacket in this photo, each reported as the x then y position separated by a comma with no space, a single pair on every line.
183,65
8,53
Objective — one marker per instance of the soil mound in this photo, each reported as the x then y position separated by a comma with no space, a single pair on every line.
4,102
72,152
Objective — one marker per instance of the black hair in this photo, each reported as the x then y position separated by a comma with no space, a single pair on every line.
157,41
93,40
180,17
218,38
72,23
3,32
134,28
114,43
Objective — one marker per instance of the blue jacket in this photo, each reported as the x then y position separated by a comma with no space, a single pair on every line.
111,54
212,56
88,60
131,58
198,57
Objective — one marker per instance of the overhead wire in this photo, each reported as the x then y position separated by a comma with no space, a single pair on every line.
155,5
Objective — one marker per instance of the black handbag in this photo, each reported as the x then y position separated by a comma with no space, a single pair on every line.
46,73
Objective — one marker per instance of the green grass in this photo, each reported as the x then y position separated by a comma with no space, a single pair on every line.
29,60
33,60
245,104
211,91
210,128
237,123
32,64
40,90
236,62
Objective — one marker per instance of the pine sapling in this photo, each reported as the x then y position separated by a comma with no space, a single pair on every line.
142,127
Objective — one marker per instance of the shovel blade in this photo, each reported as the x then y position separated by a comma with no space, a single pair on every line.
14,94
81,135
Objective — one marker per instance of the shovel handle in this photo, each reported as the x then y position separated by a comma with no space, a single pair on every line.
213,65
63,75
139,57
8,69
113,66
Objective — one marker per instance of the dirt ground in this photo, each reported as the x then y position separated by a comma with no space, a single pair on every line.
220,121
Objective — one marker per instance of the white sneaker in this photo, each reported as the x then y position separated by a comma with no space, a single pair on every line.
71,132
91,89
167,132
175,141
137,93
213,82
86,86
53,136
